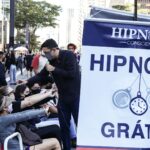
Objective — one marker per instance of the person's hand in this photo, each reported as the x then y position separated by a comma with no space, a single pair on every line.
50,93
53,109
46,108
50,67
22,82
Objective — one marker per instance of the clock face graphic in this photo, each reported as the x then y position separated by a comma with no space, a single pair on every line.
138,105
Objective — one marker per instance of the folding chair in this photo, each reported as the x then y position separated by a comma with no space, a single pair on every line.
11,137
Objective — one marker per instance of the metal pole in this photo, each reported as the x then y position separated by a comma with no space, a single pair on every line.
12,23
27,35
135,10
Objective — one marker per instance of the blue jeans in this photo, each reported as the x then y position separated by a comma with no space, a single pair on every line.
65,111
12,74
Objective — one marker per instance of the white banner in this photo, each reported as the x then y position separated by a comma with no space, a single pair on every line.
115,96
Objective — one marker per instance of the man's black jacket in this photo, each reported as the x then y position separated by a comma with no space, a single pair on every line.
66,76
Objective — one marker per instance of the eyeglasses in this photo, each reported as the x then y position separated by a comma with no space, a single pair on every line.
53,49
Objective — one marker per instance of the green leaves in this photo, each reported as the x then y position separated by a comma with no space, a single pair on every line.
39,14
36,14
127,7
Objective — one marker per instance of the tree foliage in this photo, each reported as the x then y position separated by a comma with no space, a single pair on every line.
127,7
36,14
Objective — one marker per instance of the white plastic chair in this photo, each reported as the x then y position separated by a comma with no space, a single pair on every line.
11,137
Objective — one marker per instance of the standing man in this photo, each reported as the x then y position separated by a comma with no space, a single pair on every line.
65,70
72,47
2,70
20,63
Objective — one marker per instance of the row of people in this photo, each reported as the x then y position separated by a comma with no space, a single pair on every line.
62,68
29,104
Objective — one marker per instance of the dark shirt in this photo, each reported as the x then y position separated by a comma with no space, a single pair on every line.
16,106
28,60
20,61
7,63
2,75
12,60
66,76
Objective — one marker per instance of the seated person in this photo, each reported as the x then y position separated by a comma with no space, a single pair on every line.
8,124
44,131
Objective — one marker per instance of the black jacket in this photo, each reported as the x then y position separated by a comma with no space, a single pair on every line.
66,76
2,75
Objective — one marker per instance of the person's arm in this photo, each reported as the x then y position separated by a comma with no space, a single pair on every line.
70,67
31,100
21,116
43,72
35,71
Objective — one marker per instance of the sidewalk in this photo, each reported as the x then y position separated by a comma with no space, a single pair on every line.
18,77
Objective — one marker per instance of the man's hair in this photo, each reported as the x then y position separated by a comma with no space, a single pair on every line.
50,43
71,44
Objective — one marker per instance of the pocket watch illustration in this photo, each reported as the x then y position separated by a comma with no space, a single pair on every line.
121,98
138,105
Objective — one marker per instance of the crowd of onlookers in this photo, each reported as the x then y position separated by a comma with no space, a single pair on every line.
43,108
14,62
33,101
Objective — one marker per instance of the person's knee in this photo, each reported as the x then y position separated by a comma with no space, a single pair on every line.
47,144
54,143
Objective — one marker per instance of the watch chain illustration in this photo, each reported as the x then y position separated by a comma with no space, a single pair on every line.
138,105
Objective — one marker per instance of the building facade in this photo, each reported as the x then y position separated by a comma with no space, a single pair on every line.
4,23
144,6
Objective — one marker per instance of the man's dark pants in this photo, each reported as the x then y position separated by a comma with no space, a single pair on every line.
65,110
